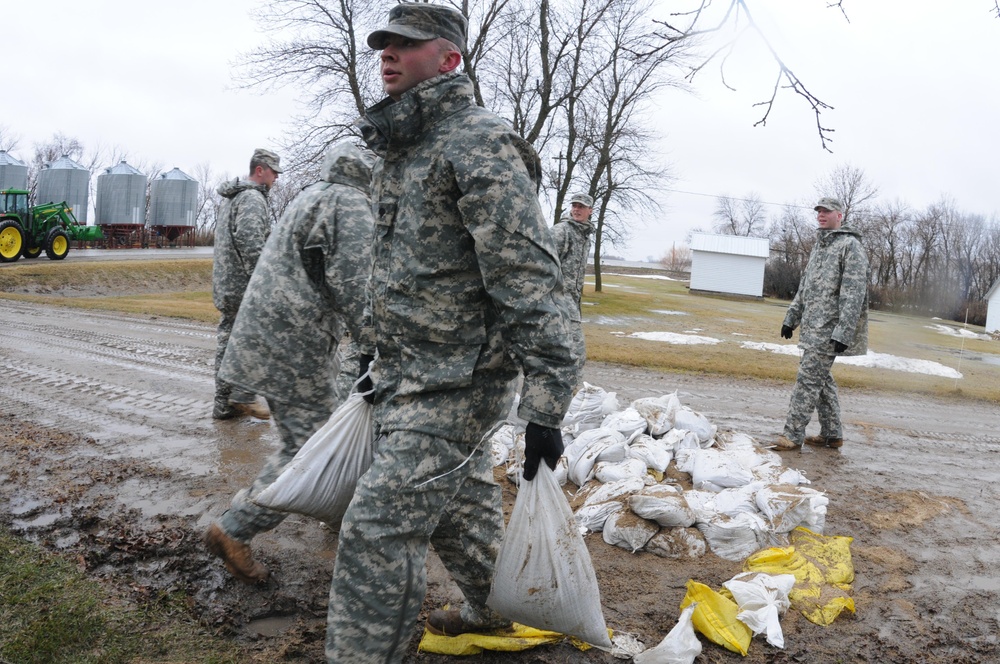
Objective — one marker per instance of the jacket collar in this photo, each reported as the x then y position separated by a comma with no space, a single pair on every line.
399,124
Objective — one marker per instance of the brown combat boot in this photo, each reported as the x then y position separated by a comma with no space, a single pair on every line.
236,555
449,622
783,444
253,409
824,441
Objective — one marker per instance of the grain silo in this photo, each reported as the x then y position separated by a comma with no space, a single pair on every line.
121,205
173,205
64,180
13,172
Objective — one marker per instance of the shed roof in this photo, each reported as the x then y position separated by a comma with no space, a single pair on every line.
758,247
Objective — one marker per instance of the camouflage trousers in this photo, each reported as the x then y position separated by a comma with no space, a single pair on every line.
407,500
226,391
815,390
295,425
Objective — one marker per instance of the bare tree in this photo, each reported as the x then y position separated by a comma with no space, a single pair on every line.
677,259
8,139
733,17
740,216
852,187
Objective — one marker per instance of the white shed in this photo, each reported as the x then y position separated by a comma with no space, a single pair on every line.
993,307
728,264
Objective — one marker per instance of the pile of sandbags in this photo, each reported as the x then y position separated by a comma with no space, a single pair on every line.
658,476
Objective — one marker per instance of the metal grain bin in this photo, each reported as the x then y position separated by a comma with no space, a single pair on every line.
173,199
13,172
121,196
65,180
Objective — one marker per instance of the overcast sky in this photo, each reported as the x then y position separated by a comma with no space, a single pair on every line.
913,83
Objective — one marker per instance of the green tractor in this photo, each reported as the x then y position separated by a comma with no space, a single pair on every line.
26,231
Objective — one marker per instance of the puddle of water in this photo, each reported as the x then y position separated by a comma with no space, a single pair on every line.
40,521
271,626
22,506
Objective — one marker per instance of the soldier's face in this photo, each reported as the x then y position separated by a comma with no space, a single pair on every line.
407,62
265,176
579,212
828,219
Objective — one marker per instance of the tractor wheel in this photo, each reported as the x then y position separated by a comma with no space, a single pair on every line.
31,251
11,241
56,244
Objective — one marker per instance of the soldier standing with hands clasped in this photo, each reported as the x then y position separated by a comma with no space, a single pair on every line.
465,292
241,229
831,305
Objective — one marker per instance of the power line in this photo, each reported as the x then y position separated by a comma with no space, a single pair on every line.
735,198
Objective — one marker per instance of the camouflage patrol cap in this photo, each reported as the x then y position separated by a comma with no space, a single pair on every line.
267,158
421,21
830,204
582,199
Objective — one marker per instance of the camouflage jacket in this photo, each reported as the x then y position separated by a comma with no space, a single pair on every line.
832,300
572,240
307,289
466,287
240,232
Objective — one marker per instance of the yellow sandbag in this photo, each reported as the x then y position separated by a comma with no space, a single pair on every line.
715,617
822,568
519,638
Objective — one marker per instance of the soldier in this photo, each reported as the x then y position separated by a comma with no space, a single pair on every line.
831,305
465,292
240,232
307,290
572,239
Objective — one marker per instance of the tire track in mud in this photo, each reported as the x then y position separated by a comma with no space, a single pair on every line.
88,345
174,327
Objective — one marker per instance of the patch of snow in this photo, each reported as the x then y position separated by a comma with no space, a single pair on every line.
641,276
957,332
872,360
673,338
667,312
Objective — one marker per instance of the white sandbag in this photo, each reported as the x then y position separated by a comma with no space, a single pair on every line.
658,412
736,500
702,503
684,458
591,518
544,577
695,422
775,473
733,538
612,490
652,452
588,408
629,468
320,479
515,470
713,468
786,507
613,453
675,436
512,417
582,455
762,599
733,440
679,646
628,531
667,508
677,543
629,422
499,453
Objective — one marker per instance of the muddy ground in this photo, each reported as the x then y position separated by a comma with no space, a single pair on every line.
108,454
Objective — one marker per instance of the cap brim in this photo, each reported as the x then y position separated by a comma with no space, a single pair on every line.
380,38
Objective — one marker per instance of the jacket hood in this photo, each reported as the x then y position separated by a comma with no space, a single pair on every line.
847,230
230,188
346,164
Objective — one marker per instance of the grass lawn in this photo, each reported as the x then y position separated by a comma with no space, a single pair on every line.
627,305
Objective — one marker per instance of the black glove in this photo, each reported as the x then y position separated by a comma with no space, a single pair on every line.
541,443
366,382
838,346
786,332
